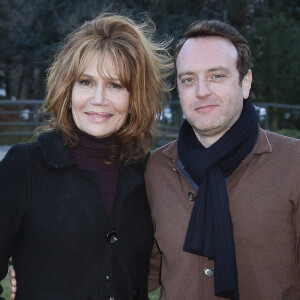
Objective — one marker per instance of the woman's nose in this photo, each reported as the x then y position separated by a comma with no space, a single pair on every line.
100,96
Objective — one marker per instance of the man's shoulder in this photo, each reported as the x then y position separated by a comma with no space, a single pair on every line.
160,157
282,143
169,149
284,151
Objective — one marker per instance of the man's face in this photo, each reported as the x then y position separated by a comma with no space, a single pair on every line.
211,95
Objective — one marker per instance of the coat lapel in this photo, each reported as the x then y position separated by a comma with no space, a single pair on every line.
54,150
130,178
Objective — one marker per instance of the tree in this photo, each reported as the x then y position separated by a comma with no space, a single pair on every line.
276,46
30,31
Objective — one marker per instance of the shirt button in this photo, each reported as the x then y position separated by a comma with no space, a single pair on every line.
112,237
208,272
191,196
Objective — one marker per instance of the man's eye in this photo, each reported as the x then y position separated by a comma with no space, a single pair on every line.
187,80
218,76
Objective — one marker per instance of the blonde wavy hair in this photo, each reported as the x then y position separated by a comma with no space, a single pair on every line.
142,65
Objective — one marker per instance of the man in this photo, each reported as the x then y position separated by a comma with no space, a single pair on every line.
225,195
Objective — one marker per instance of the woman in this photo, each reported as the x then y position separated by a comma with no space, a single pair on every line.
73,210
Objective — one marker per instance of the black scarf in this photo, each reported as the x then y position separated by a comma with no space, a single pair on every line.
210,230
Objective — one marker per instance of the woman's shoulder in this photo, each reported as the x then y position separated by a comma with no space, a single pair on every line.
16,161
21,150
31,149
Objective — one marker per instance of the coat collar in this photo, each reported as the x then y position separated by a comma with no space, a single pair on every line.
57,154
263,145
54,150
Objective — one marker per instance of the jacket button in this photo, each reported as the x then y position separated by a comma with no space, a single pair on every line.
135,294
173,168
107,277
111,298
112,237
191,196
208,272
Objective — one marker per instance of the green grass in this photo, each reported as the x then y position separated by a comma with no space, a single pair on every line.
6,286
295,133
154,295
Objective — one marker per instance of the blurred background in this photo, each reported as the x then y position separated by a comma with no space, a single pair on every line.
30,31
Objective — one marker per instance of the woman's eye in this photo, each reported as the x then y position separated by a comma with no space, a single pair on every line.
116,85
84,82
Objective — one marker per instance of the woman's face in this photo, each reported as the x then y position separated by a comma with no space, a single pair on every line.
99,105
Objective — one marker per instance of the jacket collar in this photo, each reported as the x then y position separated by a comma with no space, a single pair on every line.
54,150
263,145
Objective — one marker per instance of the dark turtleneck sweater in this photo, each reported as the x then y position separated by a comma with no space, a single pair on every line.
90,153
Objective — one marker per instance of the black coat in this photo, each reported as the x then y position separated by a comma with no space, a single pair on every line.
55,223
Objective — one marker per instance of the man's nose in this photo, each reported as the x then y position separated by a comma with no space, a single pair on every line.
203,88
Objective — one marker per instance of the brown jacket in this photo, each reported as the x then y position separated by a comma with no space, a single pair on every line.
264,196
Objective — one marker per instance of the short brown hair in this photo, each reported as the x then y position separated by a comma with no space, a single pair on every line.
142,65
218,28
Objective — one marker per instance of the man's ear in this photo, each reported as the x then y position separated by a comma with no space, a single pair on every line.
246,84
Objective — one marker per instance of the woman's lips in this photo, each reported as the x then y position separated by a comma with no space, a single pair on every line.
98,116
